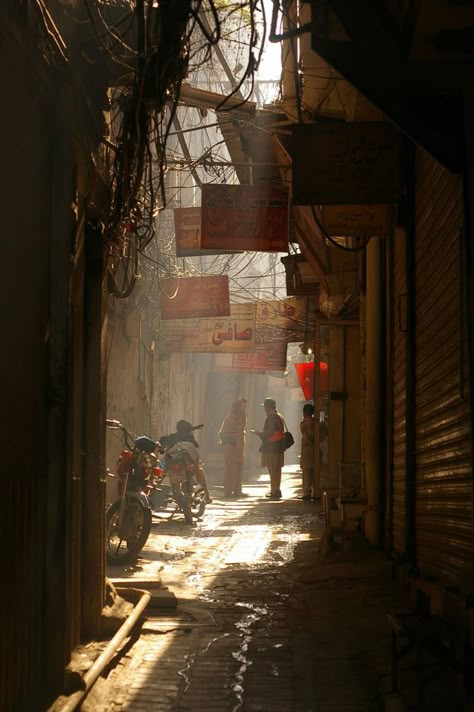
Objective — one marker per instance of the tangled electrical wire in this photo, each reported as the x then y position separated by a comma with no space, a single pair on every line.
147,48
171,39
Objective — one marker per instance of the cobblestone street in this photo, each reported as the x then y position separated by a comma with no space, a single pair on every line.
260,624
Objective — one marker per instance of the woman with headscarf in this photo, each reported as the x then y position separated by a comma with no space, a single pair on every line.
232,437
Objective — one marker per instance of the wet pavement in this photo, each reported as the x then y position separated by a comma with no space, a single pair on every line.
262,623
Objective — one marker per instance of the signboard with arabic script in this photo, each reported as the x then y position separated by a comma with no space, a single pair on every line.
337,163
223,362
191,297
276,334
265,358
231,334
244,217
187,225
287,313
357,220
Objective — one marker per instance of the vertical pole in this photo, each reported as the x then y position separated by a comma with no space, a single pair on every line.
410,406
93,556
389,378
317,400
374,431
468,249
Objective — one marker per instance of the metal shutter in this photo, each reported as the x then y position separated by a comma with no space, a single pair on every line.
443,453
399,383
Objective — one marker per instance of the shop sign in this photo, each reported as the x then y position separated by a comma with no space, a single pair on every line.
357,220
192,297
187,225
244,217
231,334
223,362
339,163
276,334
264,359
287,313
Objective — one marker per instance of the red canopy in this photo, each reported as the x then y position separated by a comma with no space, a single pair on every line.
305,373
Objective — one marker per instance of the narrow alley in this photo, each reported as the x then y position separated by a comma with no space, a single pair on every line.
259,621
237,236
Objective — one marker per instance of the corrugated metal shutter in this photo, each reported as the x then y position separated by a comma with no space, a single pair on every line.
399,395
443,453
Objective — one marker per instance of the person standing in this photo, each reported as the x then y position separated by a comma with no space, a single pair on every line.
307,452
271,448
232,438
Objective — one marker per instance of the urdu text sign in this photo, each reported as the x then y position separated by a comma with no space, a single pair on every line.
192,297
266,358
358,220
231,334
187,225
244,217
289,313
345,164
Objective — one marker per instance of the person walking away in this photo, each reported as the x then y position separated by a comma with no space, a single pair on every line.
184,434
307,452
232,438
272,446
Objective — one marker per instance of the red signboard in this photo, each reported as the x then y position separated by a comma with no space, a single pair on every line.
244,217
187,225
265,358
305,373
193,297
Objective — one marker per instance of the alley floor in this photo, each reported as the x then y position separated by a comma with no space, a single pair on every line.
262,621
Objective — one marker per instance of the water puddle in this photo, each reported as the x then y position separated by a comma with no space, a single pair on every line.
244,626
190,659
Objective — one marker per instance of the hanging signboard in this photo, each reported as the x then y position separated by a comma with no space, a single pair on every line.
276,334
223,362
232,334
338,163
264,358
357,220
287,313
187,225
192,297
244,217
305,373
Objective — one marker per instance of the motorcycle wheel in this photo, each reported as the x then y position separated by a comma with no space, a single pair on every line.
198,505
183,500
188,515
136,517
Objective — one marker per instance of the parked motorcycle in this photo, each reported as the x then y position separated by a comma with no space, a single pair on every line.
128,520
180,461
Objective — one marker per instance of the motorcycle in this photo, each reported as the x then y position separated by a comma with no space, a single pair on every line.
128,520
180,462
